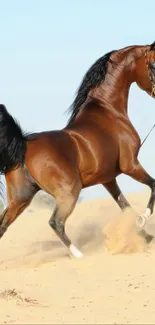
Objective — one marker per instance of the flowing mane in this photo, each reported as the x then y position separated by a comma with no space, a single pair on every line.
93,78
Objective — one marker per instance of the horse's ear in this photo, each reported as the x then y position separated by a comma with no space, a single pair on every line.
152,46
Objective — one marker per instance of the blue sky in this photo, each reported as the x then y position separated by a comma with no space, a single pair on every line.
47,46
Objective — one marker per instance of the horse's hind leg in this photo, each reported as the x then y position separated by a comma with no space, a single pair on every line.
10,214
21,191
65,204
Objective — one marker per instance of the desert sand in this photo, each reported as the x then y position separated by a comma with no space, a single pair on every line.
114,283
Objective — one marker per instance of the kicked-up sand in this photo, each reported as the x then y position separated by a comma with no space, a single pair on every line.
114,283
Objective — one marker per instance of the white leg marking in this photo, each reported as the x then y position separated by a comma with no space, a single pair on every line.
75,251
147,213
141,220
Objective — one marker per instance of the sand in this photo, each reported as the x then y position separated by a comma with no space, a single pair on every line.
114,283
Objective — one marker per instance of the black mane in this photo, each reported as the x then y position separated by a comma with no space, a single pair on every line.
93,78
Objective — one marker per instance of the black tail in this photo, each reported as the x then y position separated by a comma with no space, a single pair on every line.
12,142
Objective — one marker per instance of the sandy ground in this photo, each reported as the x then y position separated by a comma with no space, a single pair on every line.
113,284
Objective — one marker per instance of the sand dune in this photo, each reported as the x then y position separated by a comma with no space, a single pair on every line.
113,284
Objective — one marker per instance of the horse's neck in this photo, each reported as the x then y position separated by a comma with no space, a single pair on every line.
114,91
112,96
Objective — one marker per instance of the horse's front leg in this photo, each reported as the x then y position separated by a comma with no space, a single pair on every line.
130,166
141,220
115,191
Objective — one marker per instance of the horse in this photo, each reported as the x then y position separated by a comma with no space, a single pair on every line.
97,144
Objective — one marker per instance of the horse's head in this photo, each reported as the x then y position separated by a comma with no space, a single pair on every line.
145,69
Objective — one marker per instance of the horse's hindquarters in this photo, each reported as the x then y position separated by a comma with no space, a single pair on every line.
52,161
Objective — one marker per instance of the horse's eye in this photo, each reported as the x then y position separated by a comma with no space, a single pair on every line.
152,66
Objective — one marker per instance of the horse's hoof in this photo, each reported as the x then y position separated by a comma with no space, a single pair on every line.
146,236
140,222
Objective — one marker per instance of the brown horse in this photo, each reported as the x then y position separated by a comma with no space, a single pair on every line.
98,143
